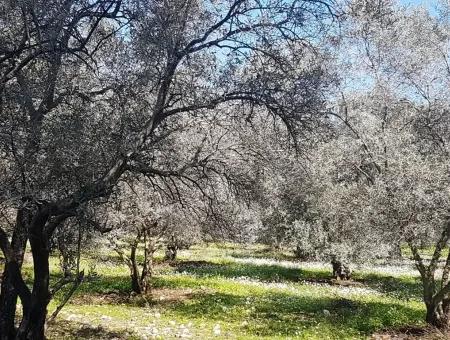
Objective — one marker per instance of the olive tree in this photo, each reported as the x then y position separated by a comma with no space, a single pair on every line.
383,181
89,89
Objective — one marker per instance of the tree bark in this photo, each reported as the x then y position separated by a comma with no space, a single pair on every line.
134,271
147,270
171,253
438,314
435,296
32,326
436,301
8,304
10,277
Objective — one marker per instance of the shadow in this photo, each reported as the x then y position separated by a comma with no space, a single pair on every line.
63,329
405,288
114,259
264,253
113,290
410,332
120,284
271,273
275,313
269,313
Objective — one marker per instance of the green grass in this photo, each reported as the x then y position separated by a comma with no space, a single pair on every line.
426,252
209,290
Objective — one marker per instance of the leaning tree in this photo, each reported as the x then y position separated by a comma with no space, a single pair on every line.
90,89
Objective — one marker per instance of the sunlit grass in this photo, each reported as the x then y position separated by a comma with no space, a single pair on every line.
209,293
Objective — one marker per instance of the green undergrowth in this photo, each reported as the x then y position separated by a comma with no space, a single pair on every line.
209,293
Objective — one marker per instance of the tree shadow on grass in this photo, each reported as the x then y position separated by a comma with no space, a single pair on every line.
74,330
270,312
261,272
114,290
396,287
404,288
121,284
276,313
107,284
264,253
114,259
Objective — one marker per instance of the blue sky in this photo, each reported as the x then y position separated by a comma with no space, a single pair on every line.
427,3
430,4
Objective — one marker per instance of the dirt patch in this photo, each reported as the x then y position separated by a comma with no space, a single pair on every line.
195,264
334,282
347,283
73,330
411,333
101,299
344,304
156,296
171,295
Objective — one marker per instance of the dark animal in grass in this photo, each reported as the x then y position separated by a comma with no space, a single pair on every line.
173,246
340,270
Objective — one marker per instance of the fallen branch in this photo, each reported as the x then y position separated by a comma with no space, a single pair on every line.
76,283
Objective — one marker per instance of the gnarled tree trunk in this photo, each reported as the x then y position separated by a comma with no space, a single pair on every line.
11,275
436,296
147,269
32,224
140,275
32,325
438,314
136,285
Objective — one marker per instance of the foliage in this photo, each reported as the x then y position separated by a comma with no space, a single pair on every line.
246,300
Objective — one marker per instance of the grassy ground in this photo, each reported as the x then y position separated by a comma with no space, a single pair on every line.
231,292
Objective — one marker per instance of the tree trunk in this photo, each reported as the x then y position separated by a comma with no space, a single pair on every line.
134,272
11,274
438,314
395,253
171,253
141,280
135,283
32,326
437,305
174,253
435,296
147,270
8,303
